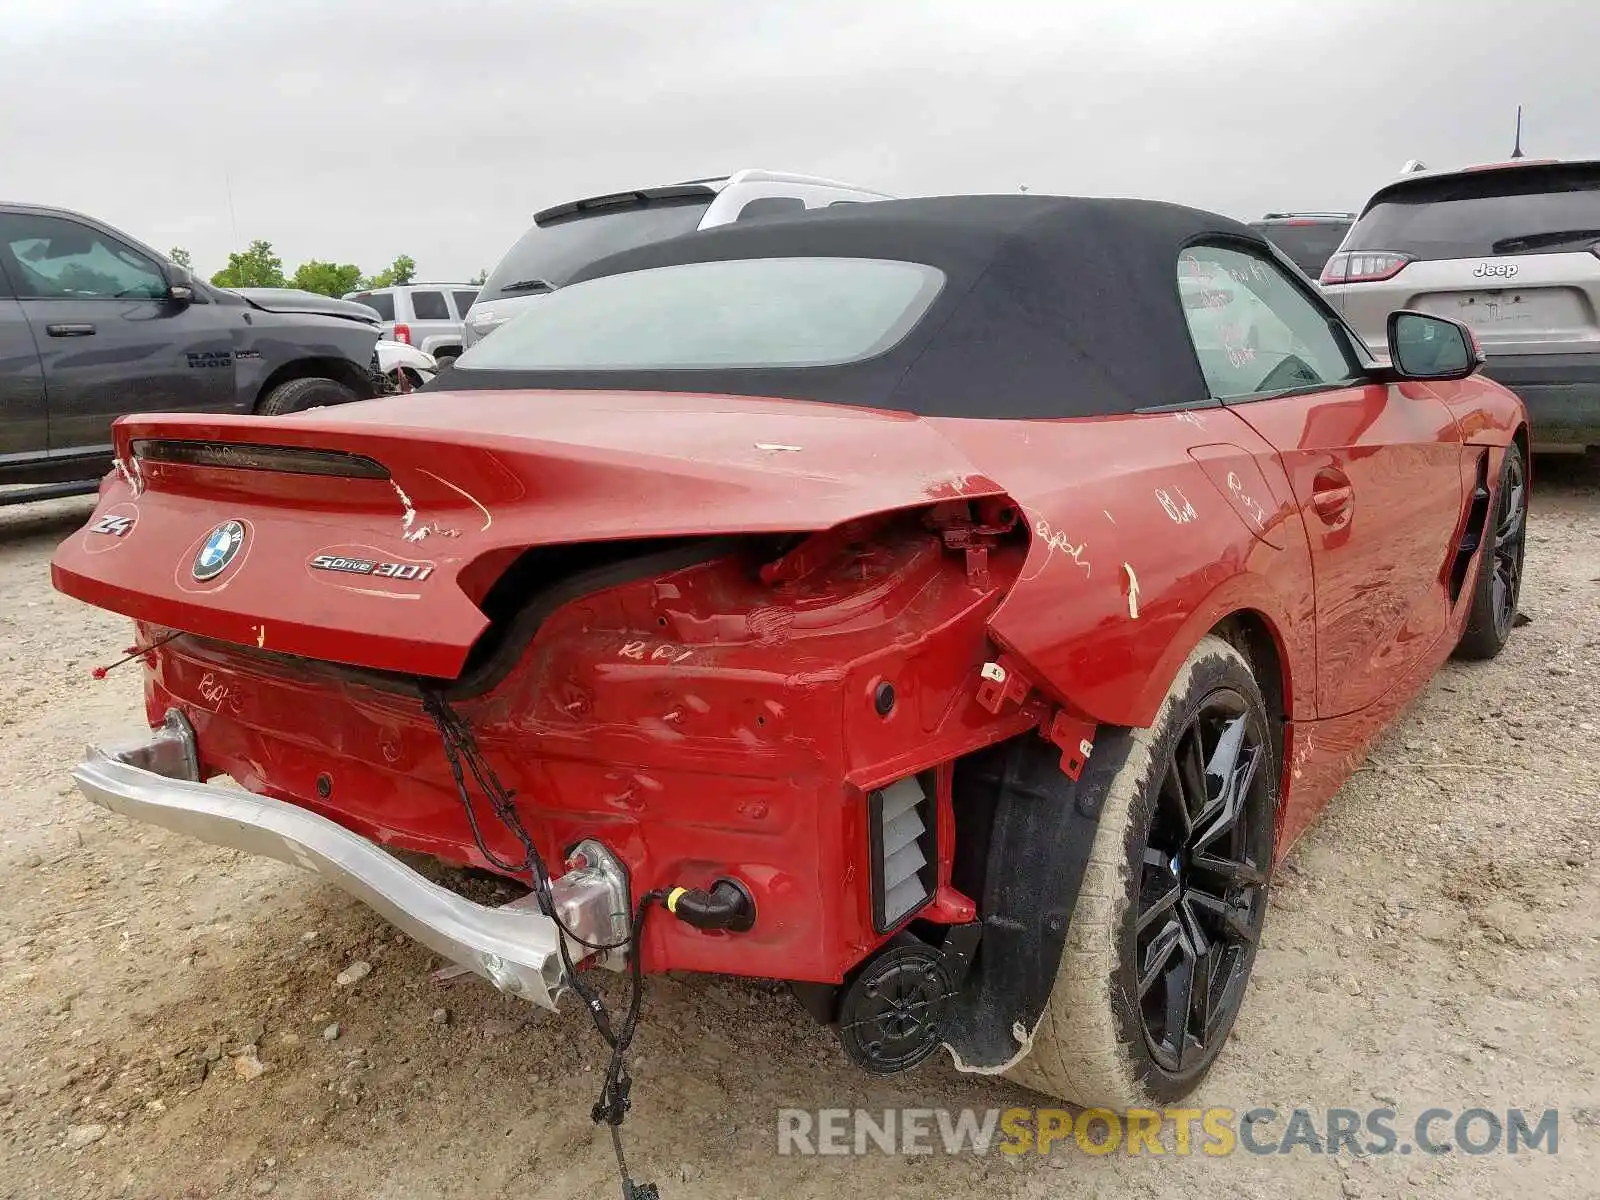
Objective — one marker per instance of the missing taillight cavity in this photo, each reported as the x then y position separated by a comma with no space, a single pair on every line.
246,456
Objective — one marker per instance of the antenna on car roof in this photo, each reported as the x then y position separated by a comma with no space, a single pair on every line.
1516,147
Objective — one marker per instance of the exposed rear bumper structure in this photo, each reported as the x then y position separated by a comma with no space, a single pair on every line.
513,946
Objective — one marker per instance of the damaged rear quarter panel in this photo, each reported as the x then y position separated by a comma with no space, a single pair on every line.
1136,554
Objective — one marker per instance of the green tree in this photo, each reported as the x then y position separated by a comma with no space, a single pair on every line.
481,278
330,279
181,256
398,273
259,266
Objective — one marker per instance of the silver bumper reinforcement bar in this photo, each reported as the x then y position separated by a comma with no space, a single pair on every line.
513,946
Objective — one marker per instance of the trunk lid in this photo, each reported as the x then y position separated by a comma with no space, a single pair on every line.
344,534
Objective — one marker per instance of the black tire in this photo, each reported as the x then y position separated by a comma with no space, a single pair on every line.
444,361
297,395
1103,1040
1497,588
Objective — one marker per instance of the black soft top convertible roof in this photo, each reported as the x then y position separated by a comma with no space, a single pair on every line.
1052,307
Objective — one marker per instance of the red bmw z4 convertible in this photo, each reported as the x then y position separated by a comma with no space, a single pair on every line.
954,607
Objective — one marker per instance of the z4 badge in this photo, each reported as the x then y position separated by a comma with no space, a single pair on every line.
113,526
344,565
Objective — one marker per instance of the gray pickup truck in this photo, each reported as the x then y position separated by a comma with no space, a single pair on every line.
93,325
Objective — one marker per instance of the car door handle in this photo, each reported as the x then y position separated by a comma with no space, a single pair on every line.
1332,496
79,330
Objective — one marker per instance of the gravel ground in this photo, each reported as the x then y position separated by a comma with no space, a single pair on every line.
172,1021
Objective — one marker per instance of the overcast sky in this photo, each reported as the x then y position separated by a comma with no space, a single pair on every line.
356,130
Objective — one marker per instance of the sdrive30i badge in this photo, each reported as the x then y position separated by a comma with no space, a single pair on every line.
415,572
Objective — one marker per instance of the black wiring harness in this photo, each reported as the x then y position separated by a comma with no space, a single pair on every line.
461,747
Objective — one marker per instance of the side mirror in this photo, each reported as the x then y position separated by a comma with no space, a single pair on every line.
1428,347
180,283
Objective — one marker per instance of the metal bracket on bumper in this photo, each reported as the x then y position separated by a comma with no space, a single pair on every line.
514,946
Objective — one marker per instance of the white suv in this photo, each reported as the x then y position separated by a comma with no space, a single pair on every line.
1511,249
425,315
568,237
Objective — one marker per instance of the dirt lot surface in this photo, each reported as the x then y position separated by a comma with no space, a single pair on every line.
1433,943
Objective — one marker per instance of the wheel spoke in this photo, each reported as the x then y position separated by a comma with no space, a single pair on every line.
1171,798
1229,804
1180,1000
1167,942
1192,928
1200,999
1225,758
1222,767
1238,874
1233,918
1165,904
1512,516
1192,774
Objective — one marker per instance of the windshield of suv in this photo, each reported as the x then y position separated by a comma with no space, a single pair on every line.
737,313
1526,210
550,254
1308,245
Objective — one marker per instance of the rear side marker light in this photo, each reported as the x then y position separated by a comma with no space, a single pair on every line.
246,456
1364,266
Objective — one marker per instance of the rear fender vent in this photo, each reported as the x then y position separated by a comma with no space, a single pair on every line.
905,856
1474,529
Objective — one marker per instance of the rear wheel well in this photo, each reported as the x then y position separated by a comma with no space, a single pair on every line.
1247,631
1022,827
340,370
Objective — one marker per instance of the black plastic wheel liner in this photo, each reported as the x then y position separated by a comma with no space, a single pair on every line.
1024,832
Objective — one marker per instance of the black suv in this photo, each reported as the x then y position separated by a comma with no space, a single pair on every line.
94,325
1309,239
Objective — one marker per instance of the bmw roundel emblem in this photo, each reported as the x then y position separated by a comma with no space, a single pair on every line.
222,546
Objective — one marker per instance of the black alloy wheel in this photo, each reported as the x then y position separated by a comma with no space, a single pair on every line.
1202,895
1497,590
1510,535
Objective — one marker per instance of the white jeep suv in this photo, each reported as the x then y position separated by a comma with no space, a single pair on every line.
1511,249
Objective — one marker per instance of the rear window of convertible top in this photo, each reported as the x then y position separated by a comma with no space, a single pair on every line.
736,313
